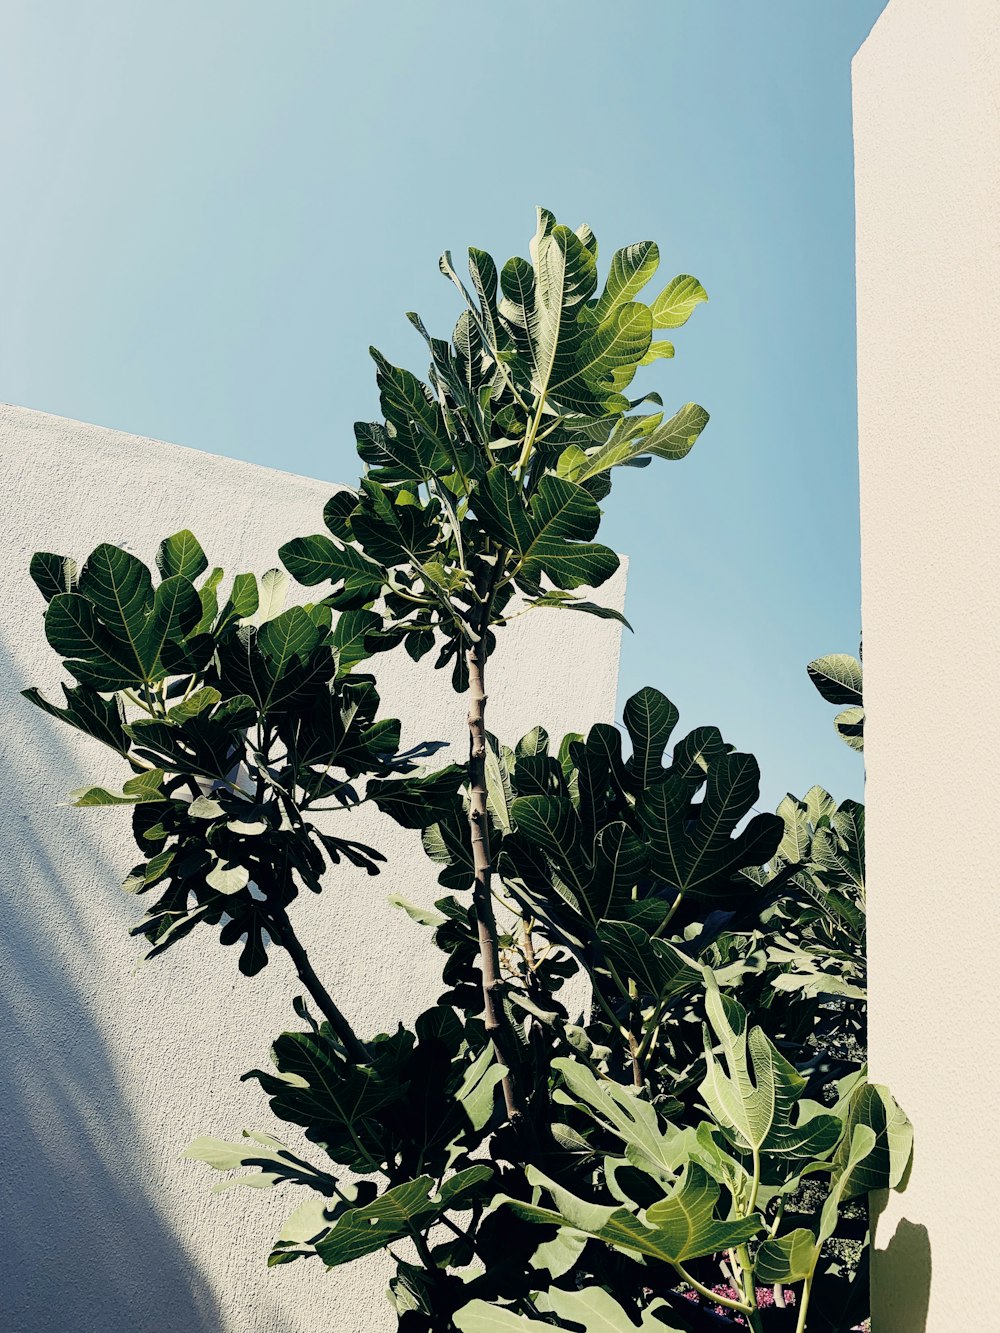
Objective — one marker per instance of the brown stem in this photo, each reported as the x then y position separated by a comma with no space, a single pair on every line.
529,946
633,1040
638,1082
497,1027
289,941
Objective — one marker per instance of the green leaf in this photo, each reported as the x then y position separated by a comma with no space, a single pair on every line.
499,504
598,1312
175,613
685,1220
552,536
424,916
626,1113
394,1214
317,559
680,1227
565,276
695,752
797,840
243,600
657,351
203,807
274,1161
53,574
416,445
181,554
699,855
675,304
337,512
446,842
596,882
311,560
499,792
350,633
208,596
635,438
657,966
838,677
335,1100
284,643
206,697
885,1165
416,802
674,438
649,719
631,268
392,534
115,628
838,850
563,601
143,788
564,518
756,1111
476,1092
850,724
592,1308
789,1258
121,591
606,361
861,1144
271,596
90,713
533,742
96,659
227,878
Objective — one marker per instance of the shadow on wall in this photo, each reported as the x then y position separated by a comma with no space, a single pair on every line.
901,1275
87,1249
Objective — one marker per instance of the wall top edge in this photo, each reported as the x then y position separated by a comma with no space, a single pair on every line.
875,32
31,418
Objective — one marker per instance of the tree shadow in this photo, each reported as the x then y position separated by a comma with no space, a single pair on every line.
901,1275
87,1247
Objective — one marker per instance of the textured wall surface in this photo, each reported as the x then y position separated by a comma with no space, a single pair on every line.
927,137
112,1067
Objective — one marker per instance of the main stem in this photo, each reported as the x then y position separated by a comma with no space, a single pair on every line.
290,942
497,1028
804,1305
633,1041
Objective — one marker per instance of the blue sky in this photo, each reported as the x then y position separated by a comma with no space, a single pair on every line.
212,210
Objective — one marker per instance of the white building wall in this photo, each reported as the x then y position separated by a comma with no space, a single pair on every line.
111,1068
927,138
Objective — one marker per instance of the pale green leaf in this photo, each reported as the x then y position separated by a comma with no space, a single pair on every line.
789,1258
631,268
838,677
360,1231
675,304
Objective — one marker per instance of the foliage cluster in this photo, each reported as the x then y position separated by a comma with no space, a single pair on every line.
644,1075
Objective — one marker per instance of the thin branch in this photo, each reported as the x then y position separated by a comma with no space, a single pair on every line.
285,936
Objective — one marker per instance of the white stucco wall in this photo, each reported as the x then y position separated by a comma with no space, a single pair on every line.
110,1068
927,138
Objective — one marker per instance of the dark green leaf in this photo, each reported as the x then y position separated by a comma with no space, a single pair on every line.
53,574
88,712
396,1213
181,554
650,719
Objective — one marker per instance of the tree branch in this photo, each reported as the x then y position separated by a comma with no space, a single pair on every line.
285,935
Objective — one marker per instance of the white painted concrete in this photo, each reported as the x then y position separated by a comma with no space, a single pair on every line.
927,139
112,1068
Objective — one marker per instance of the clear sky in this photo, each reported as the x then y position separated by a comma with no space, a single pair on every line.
211,209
